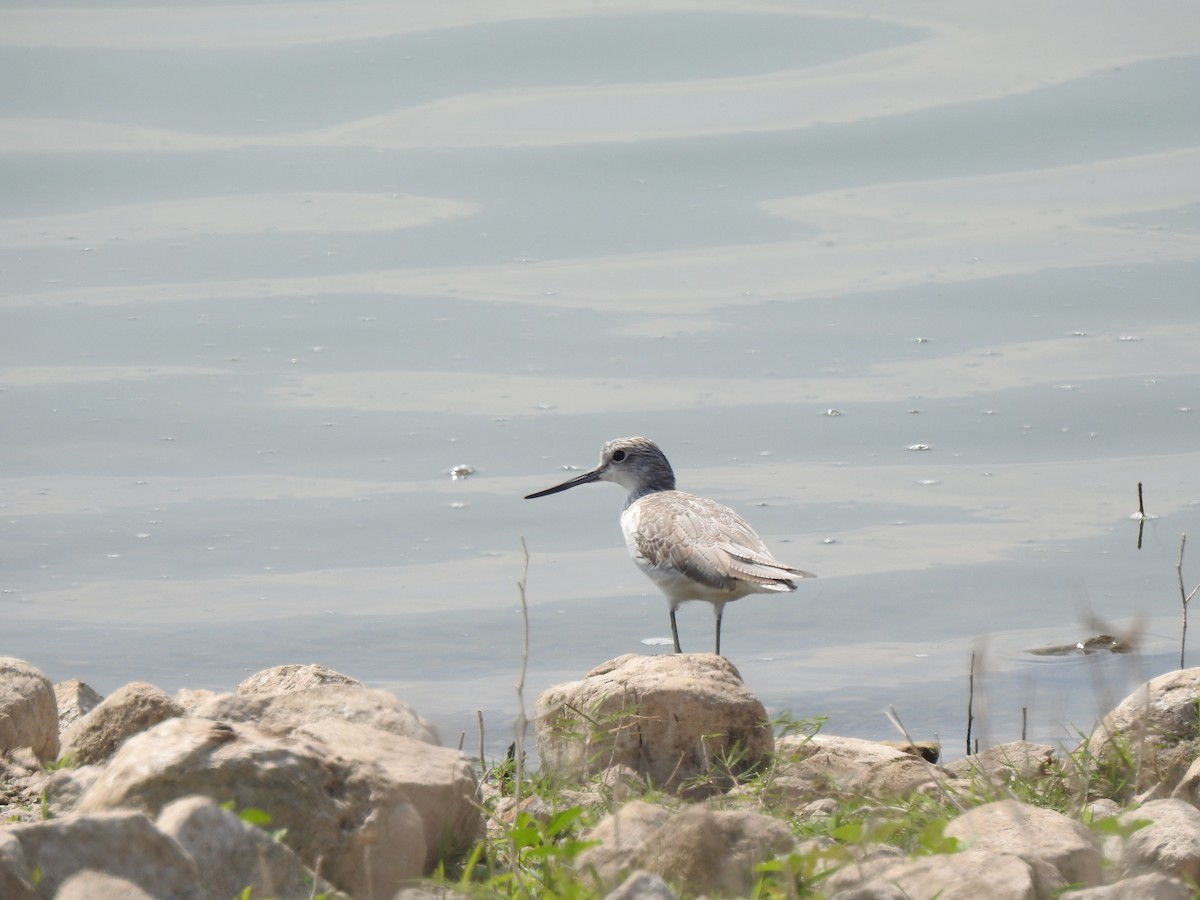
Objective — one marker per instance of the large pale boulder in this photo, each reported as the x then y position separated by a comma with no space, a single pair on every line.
28,712
349,701
232,855
969,875
123,845
699,849
1169,845
1047,840
337,809
681,721
1151,738
129,710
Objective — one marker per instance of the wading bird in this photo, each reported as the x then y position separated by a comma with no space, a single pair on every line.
693,548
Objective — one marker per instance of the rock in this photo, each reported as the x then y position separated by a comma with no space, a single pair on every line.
122,845
968,875
64,788
1188,788
815,809
293,781
900,778
438,782
1140,887
1170,844
619,836
191,698
232,855
674,719
429,892
1005,763
619,782
349,701
701,850
707,851
930,751
641,886
838,754
1101,809
814,768
75,700
337,809
127,711
21,779
92,885
508,810
1152,736
1045,839
292,677
613,785
16,875
28,712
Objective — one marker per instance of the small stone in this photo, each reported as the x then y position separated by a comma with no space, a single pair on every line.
75,700
641,886
91,884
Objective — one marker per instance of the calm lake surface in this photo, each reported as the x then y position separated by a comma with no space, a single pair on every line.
913,288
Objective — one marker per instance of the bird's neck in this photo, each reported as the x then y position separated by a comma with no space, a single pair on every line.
645,490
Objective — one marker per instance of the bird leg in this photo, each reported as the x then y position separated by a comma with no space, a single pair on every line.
675,631
719,608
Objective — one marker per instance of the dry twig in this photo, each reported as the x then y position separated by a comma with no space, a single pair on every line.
1184,596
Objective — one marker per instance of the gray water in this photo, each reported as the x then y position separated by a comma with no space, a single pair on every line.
269,272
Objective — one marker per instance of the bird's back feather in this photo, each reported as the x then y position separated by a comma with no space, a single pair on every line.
673,533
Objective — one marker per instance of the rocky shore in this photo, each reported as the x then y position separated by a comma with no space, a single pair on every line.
659,776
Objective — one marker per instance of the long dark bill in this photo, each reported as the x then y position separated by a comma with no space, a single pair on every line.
585,478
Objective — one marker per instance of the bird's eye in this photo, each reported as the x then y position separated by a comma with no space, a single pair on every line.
618,456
